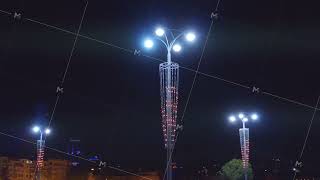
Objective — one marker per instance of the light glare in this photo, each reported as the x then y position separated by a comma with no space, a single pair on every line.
232,118
254,116
190,36
48,131
160,32
241,115
36,129
245,119
148,43
177,48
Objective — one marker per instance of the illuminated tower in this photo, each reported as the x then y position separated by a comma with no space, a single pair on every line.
40,149
169,82
244,144
40,155
244,139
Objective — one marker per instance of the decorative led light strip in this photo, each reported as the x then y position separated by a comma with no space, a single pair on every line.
40,154
244,143
169,100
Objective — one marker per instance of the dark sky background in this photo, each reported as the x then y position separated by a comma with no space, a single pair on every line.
111,100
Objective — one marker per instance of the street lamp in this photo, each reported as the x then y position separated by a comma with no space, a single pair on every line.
169,81
148,43
40,148
244,138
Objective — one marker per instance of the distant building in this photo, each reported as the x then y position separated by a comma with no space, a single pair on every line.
74,149
3,165
24,169
56,169
147,175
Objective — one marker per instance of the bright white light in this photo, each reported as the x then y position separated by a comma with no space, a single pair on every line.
190,36
254,116
48,131
241,115
36,129
92,169
232,118
148,43
177,48
245,119
160,32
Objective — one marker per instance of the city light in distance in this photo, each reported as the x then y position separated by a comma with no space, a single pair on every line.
177,48
148,43
159,32
190,36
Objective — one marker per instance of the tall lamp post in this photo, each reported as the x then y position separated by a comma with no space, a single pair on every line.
169,82
40,148
244,138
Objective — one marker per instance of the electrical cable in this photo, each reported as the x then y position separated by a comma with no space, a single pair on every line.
68,64
160,60
307,135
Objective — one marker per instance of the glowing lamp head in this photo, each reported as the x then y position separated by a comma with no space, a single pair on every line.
232,119
245,119
36,129
159,32
241,115
177,48
254,116
190,37
47,131
148,43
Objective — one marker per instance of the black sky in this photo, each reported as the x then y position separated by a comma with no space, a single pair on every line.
111,100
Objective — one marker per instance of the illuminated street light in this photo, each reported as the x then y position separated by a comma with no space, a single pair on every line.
245,119
160,32
47,131
40,148
232,119
190,36
241,115
244,138
36,129
148,43
169,73
254,116
177,48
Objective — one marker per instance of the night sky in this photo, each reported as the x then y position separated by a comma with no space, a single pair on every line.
112,101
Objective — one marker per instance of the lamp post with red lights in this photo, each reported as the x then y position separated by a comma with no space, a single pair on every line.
40,148
244,138
169,82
